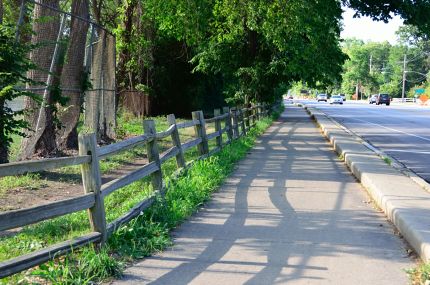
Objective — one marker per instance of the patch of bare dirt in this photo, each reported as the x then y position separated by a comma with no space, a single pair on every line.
56,187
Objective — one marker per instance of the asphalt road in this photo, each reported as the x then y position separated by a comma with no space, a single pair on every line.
402,132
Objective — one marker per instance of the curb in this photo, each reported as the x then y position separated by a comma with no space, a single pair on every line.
401,197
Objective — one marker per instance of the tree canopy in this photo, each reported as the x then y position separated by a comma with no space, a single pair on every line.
378,66
188,55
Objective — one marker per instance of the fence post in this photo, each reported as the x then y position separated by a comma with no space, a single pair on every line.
235,123
180,159
247,118
200,131
253,115
153,155
91,180
257,112
226,110
242,122
217,112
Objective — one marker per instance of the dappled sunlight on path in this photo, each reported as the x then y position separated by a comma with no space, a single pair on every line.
290,213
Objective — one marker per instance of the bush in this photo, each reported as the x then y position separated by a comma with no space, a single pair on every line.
14,65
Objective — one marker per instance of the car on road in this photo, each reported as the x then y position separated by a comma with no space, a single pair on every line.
343,96
383,98
372,99
336,99
322,97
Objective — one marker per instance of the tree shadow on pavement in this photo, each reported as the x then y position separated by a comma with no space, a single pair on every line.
291,211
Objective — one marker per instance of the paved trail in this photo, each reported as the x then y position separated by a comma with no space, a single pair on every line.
291,213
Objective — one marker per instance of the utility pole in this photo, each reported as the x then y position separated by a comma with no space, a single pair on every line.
370,64
404,78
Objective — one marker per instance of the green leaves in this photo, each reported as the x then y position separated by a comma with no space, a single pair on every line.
258,45
13,67
387,65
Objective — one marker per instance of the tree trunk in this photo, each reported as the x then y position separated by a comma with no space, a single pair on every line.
108,118
93,97
72,77
41,141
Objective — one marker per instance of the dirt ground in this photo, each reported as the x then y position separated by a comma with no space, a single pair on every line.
56,187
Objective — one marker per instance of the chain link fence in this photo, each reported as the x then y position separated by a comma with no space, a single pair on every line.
75,70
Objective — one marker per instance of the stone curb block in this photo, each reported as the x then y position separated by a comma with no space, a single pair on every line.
404,202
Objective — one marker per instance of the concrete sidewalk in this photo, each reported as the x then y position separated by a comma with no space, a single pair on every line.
291,213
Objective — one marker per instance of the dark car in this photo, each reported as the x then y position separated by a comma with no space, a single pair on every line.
383,99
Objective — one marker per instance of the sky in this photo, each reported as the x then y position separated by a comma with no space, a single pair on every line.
366,29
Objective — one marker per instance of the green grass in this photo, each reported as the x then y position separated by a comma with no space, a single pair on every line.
387,160
14,147
143,236
419,275
127,127
29,181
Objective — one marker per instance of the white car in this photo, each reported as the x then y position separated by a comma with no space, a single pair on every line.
322,97
336,99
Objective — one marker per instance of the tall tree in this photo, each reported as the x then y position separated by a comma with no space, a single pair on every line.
100,107
73,76
40,139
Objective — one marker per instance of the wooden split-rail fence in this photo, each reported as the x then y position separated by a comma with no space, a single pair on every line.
237,123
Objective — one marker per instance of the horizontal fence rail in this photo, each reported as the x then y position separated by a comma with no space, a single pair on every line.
109,150
16,168
19,218
170,153
134,212
191,143
187,124
27,261
125,180
166,133
232,122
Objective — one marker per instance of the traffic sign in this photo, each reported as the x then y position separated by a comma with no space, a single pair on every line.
420,91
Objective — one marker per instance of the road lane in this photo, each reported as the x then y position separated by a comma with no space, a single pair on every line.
402,132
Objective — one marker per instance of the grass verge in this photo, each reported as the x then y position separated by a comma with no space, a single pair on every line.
387,160
419,275
143,236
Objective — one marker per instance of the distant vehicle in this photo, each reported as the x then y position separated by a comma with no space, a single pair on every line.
343,96
372,98
322,97
290,97
336,99
383,98
304,92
